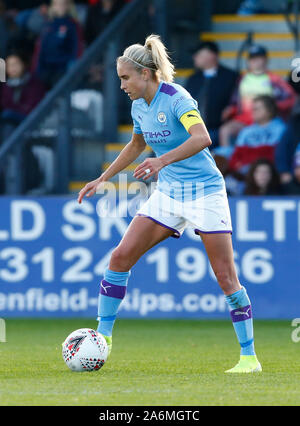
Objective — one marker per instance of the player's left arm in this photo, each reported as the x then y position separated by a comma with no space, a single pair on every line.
199,139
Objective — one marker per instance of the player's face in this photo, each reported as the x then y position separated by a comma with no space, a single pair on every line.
133,83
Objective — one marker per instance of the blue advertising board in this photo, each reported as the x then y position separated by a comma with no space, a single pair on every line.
53,252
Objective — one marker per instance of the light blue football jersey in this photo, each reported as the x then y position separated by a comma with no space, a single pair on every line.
159,123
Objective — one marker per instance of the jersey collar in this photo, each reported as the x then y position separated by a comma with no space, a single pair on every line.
155,96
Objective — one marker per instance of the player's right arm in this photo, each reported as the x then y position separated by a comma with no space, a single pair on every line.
129,153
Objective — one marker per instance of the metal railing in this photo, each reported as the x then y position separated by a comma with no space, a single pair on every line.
243,48
108,45
293,7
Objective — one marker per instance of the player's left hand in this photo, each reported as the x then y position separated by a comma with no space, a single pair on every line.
148,168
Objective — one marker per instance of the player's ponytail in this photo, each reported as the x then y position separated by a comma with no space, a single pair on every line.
153,55
160,57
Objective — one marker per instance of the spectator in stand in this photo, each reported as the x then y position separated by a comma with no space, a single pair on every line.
212,85
260,139
263,179
21,92
33,20
234,185
4,30
15,6
100,13
293,187
11,37
284,156
60,44
19,14
257,81
18,97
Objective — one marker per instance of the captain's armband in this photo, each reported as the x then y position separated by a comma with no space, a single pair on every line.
190,118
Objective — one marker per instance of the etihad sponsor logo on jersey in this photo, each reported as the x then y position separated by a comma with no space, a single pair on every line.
157,137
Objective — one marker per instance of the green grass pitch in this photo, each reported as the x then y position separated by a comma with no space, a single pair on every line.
153,362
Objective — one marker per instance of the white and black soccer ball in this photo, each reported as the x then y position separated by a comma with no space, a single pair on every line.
85,350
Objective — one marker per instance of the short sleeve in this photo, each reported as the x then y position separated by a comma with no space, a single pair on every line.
182,104
136,126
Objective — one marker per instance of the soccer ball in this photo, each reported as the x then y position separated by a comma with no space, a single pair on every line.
85,350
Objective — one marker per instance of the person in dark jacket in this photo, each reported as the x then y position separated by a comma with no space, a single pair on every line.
21,92
260,139
293,187
212,85
4,30
284,156
100,13
60,43
19,95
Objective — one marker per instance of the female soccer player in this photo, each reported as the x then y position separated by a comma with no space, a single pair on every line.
190,189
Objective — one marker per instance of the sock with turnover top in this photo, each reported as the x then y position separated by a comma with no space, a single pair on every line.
241,315
112,292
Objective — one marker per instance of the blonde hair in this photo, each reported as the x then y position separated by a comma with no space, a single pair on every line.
153,55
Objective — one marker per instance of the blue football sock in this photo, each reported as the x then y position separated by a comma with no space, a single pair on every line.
112,292
241,315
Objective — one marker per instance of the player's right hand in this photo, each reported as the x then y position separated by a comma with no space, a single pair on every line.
89,189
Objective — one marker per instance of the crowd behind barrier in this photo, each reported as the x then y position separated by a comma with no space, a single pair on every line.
253,118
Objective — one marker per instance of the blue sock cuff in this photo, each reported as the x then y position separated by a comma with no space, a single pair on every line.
238,299
246,344
110,318
116,278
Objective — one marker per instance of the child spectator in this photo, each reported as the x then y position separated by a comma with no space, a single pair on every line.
262,179
257,81
260,139
60,43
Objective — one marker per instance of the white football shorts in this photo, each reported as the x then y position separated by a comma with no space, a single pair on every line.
209,214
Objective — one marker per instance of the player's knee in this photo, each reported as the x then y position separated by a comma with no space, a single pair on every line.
226,279
120,259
